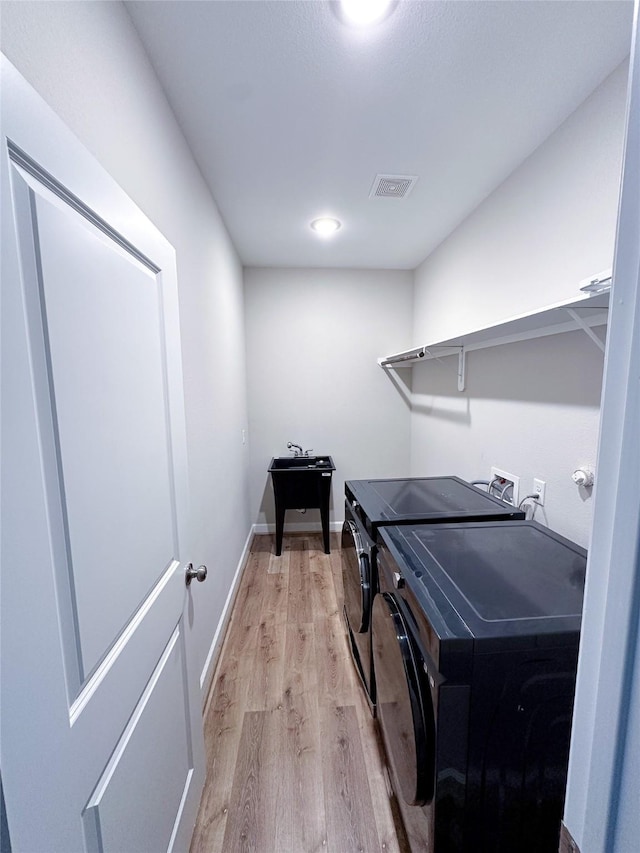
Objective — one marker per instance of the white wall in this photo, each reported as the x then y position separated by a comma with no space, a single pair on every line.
531,408
313,339
530,243
87,62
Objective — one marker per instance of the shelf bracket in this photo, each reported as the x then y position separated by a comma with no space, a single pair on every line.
585,328
462,368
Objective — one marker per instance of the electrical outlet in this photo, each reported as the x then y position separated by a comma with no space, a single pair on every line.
539,489
503,478
244,436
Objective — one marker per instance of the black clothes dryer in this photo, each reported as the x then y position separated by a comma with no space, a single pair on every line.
475,633
371,504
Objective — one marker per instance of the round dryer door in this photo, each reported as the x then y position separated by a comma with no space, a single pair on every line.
356,579
405,709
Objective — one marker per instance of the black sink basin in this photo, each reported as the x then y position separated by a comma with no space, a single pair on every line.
301,463
301,482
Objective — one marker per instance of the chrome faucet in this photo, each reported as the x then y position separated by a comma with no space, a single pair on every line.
298,451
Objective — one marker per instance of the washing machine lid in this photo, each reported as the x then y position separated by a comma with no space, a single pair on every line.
427,499
512,579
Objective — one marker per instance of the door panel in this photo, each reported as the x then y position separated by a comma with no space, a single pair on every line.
101,727
116,818
116,483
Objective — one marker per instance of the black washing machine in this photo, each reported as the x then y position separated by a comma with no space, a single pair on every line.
475,634
372,504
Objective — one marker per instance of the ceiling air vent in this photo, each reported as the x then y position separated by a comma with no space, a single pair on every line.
392,186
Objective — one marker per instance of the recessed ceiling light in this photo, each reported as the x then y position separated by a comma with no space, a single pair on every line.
364,12
325,226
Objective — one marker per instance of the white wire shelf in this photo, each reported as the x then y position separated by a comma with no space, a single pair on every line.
586,312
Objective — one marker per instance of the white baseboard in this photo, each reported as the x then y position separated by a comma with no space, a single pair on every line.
298,527
212,657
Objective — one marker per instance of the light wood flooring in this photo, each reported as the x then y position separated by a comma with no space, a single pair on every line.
293,758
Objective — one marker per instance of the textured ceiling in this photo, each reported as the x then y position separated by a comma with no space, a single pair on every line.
291,115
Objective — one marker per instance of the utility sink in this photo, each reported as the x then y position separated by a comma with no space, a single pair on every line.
301,482
301,463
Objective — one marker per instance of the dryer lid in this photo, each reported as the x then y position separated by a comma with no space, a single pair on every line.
495,579
427,499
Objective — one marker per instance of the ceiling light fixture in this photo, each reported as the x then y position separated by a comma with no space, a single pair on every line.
361,13
325,226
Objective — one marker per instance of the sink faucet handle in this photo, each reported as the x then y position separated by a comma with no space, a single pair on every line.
307,452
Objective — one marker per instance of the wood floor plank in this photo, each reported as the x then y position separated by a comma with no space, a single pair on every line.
323,592
300,672
249,600
336,678
350,817
335,559
324,601
233,677
299,608
263,544
314,543
251,825
223,743
222,732
259,556
265,688
274,595
279,565
391,839
301,824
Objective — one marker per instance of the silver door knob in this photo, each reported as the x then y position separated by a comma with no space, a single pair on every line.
200,574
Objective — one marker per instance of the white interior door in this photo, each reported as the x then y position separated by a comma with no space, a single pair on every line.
101,729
